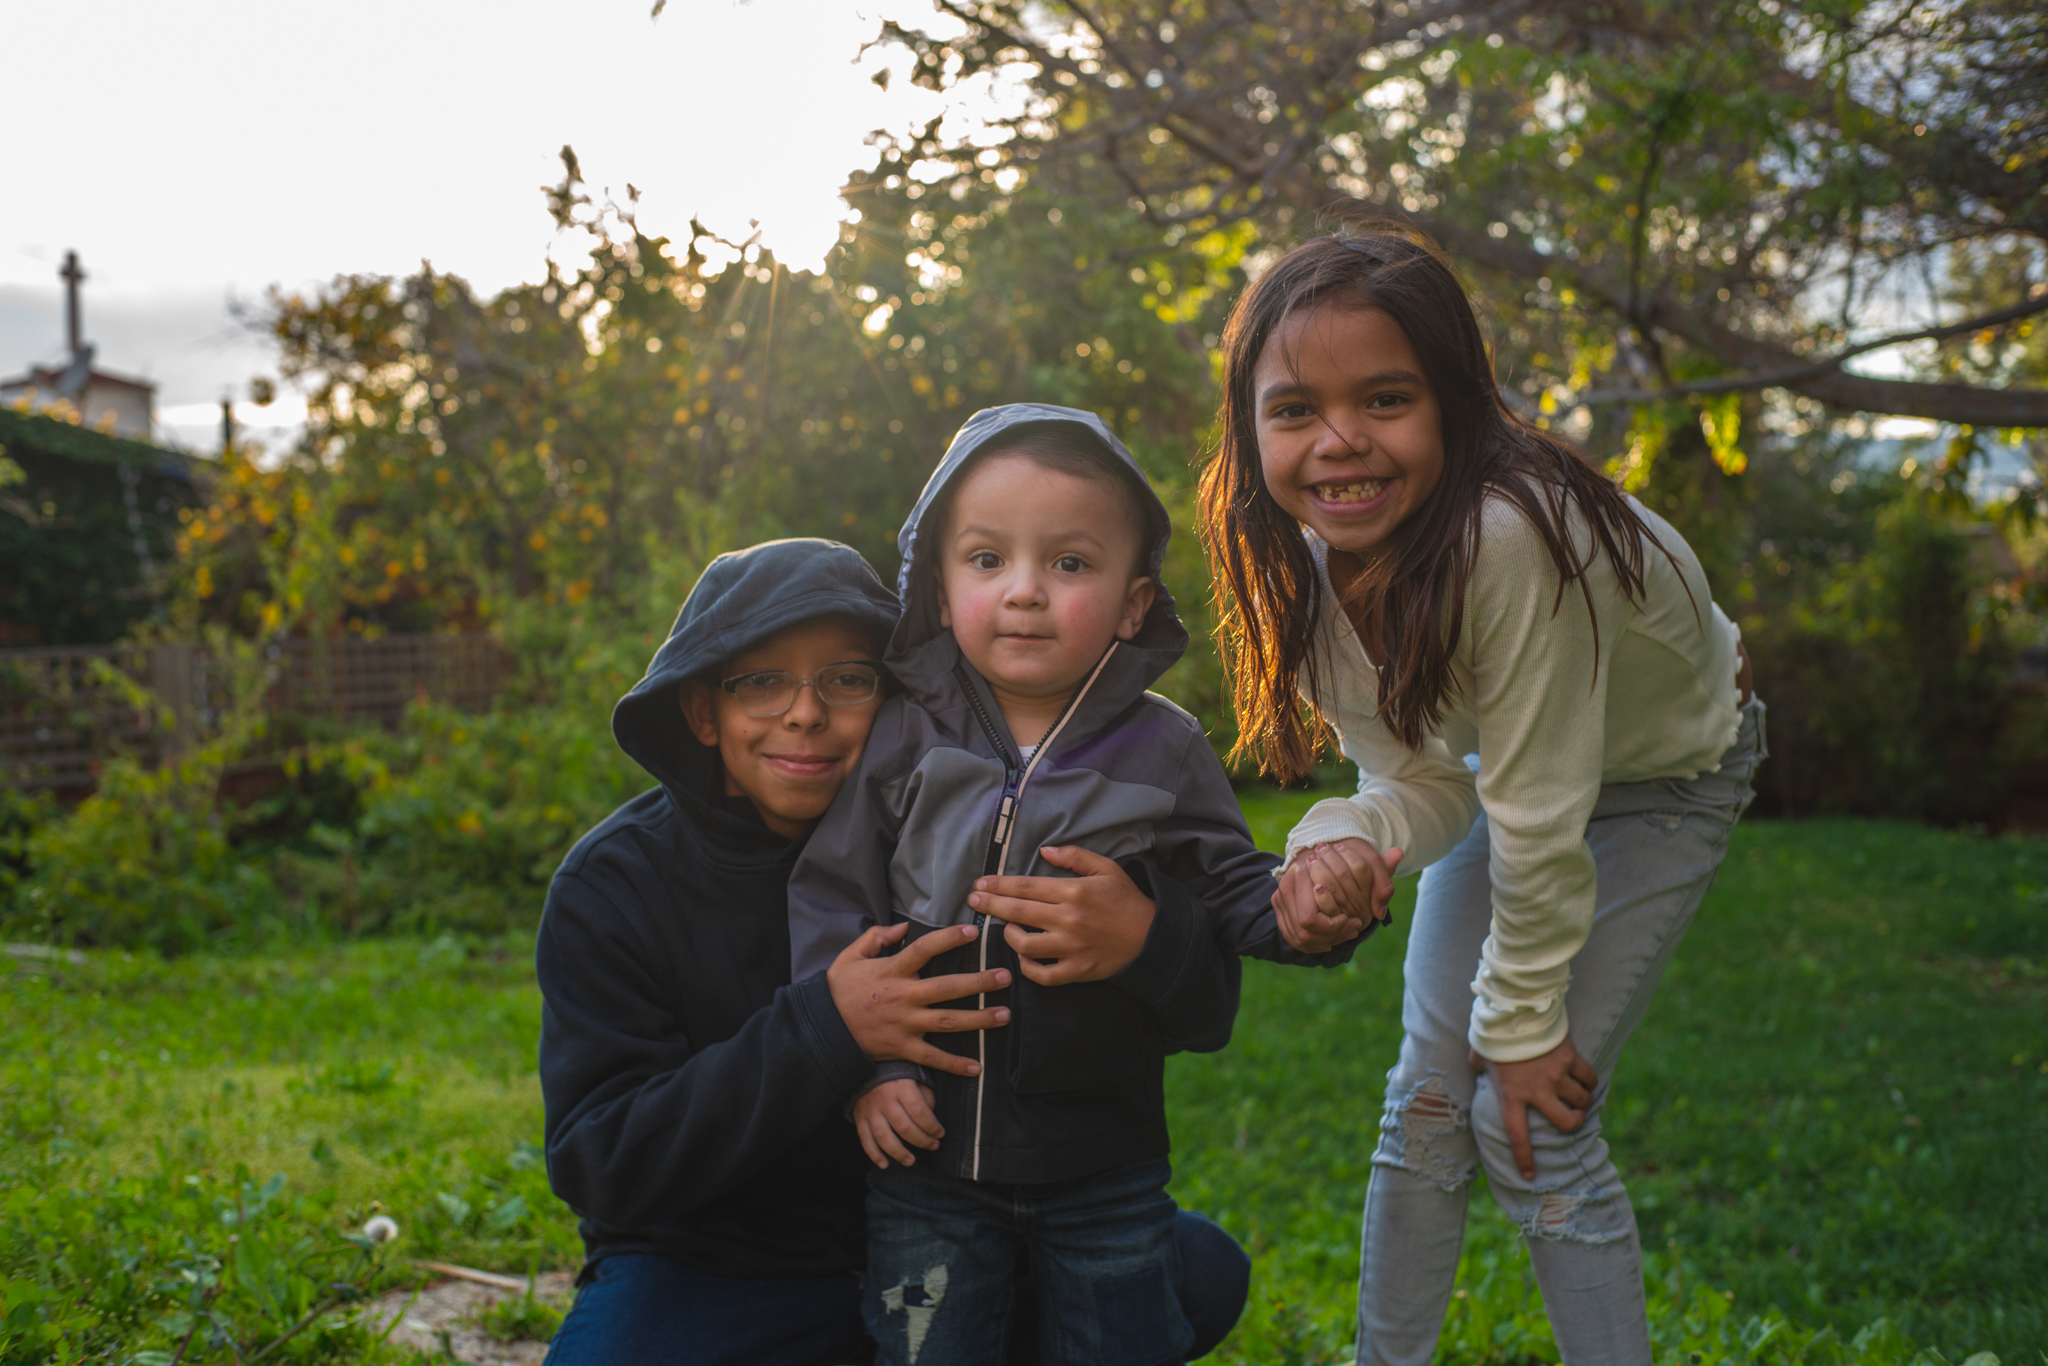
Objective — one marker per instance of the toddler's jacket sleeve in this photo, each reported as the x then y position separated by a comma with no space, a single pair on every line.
1182,975
643,1124
840,885
1207,845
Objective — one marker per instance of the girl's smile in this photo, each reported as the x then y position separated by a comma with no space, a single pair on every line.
1350,436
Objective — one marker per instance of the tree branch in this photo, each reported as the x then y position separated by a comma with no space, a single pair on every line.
1958,403
1780,379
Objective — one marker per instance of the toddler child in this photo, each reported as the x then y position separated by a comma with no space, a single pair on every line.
1034,620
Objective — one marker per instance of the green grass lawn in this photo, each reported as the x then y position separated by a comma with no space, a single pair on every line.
1838,1106
1836,1111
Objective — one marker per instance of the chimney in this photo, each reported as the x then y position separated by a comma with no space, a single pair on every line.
73,324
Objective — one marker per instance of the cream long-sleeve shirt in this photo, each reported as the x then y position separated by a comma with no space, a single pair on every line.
1552,718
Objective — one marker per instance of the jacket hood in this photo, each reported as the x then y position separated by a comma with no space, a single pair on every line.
741,599
922,653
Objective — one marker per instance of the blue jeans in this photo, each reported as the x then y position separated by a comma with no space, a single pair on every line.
1657,846
654,1311
946,1255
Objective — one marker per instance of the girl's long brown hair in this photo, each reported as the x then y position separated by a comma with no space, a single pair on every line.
1413,594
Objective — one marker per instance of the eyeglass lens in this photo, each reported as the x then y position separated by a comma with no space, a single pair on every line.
773,692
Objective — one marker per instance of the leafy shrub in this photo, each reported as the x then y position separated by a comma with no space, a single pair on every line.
455,822
1889,682
145,860
21,814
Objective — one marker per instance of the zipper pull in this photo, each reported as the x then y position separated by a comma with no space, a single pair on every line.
1004,815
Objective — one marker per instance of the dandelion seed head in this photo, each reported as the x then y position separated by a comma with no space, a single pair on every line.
381,1229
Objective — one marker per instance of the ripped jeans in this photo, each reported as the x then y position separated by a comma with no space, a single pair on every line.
1657,846
945,1257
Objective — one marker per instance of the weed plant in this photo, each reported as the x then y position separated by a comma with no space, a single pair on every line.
521,1318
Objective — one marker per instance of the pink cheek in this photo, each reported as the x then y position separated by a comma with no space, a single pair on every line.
1078,617
971,613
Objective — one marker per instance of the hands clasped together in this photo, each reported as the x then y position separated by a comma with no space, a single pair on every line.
1088,928
1084,928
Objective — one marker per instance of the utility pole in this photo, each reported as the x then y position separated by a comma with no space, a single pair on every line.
73,324
227,425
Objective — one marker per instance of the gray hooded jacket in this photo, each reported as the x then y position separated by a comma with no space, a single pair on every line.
943,796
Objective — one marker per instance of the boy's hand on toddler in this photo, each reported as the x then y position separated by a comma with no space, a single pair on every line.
894,1114
889,1009
1089,926
1332,893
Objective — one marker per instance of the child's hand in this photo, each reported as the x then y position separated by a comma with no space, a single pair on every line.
1560,1084
1084,928
893,1114
1333,893
889,1009
1351,878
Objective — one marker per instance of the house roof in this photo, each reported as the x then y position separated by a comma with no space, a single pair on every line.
50,376
54,436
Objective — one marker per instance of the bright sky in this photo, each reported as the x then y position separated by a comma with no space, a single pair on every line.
197,154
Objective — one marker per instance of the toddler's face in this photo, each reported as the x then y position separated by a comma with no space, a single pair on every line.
1036,576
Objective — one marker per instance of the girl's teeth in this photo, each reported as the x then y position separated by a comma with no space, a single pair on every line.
1353,493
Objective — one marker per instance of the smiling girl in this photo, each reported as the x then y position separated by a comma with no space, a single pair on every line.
1548,713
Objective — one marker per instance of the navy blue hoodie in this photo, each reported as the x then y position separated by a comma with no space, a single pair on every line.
694,1096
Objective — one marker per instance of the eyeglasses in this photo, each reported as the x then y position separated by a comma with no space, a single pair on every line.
772,692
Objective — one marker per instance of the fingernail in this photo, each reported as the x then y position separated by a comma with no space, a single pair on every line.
1002,1017
967,931
981,884
1002,977
974,900
974,1069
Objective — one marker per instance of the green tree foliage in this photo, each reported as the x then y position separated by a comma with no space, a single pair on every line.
546,443
1718,197
555,462
1682,219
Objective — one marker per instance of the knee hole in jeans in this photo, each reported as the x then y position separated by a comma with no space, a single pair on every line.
1555,1218
1425,1118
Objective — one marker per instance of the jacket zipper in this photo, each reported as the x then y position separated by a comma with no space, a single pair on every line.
996,863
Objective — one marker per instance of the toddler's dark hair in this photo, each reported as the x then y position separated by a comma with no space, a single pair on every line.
1064,448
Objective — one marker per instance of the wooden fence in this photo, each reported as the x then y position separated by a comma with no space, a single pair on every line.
61,715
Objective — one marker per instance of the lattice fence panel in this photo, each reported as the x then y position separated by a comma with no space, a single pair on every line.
62,713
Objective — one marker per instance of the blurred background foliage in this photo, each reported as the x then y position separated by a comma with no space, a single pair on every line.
1678,220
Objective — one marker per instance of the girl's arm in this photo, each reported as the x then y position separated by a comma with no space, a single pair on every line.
1422,804
1540,697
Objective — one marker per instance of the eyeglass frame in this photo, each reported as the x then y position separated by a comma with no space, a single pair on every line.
732,685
